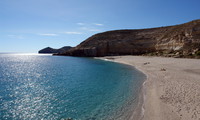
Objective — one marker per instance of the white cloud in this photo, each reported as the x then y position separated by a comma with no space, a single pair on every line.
98,24
83,28
75,33
90,29
48,34
95,30
16,36
80,23
11,35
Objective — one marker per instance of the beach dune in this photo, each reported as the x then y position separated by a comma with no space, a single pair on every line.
172,88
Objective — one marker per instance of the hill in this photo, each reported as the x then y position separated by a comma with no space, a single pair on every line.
52,50
180,41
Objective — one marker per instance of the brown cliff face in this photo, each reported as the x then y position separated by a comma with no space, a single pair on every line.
184,39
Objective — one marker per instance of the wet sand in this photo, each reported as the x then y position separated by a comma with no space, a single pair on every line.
172,88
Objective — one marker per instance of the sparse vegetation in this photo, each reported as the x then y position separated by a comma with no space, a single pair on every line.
197,53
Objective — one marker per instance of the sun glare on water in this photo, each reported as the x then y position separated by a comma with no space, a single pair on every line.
24,54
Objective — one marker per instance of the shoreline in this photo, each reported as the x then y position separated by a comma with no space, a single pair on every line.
138,112
172,88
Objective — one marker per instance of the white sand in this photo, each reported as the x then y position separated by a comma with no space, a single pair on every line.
172,88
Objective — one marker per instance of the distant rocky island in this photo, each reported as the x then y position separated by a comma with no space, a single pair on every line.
173,41
49,50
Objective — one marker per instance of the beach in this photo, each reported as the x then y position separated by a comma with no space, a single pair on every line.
172,88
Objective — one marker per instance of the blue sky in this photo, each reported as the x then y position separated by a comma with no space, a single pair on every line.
30,25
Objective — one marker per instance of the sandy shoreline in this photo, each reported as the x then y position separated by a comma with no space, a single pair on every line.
172,88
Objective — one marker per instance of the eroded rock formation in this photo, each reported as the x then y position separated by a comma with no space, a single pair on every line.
182,39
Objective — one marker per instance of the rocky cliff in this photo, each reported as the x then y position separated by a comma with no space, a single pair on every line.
181,40
52,50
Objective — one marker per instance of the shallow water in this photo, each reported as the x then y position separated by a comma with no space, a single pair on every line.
55,87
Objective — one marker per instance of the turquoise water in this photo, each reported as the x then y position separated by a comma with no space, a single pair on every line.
35,87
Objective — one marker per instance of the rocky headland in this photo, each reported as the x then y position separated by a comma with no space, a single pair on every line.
49,50
172,41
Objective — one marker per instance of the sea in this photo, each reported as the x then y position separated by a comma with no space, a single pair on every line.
46,87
